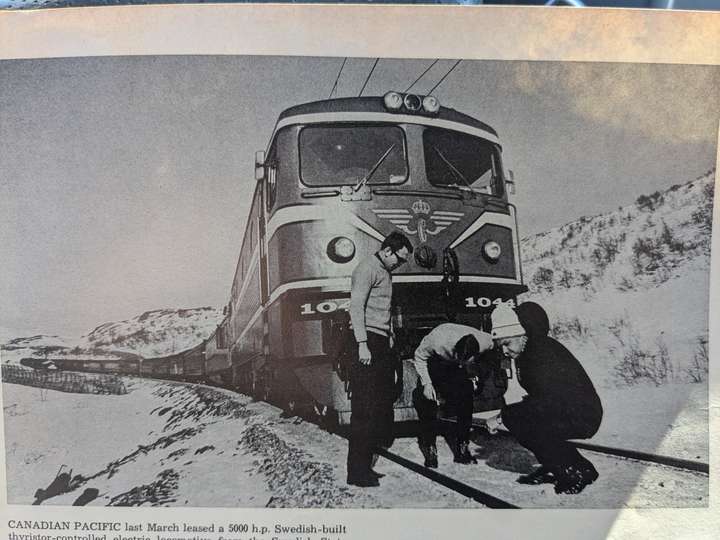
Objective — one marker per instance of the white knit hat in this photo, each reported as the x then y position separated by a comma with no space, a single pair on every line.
505,322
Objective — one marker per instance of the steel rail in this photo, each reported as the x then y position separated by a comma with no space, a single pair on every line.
678,463
431,474
450,483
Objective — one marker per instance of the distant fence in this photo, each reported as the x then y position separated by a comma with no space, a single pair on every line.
64,381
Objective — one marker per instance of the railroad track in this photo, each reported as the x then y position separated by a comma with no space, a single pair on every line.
455,485
484,495
492,501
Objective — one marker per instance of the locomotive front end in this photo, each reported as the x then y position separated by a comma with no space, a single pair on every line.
340,175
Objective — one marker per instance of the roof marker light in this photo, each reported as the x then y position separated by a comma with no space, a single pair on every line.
393,101
431,104
412,102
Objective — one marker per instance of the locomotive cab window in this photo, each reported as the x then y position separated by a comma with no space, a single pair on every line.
458,160
350,155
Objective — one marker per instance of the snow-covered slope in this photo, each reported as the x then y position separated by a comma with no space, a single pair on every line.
154,333
37,341
629,288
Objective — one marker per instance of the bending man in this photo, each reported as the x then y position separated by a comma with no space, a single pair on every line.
441,361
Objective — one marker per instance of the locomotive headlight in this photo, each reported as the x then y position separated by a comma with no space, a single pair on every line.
393,101
412,102
341,249
492,250
431,104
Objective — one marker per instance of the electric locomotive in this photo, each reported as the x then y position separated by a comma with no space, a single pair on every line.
335,179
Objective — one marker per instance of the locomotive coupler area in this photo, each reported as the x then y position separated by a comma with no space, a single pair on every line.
489,373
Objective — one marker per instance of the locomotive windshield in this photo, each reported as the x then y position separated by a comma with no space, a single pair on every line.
347,155
454,159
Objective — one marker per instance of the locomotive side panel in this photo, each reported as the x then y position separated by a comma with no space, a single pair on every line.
245,308
217,354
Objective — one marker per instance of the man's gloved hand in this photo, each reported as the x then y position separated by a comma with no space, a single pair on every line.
493,423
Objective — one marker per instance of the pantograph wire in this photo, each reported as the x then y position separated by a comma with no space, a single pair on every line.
337,78
445,76
422,74
368,77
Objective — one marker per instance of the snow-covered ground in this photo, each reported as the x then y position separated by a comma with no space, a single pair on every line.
160,442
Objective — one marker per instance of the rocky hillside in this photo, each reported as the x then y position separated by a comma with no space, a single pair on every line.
631,285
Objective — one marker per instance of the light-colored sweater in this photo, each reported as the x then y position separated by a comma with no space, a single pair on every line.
370,298
441,341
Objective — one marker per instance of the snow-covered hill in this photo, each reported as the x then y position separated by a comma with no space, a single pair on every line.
628,289
154,333
37,341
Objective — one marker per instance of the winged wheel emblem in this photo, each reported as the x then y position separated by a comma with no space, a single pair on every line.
419,219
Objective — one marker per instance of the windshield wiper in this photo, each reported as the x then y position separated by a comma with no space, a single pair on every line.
453,169
364,180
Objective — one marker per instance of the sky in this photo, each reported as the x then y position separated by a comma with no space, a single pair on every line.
125,181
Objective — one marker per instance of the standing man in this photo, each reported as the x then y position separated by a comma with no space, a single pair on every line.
442,360
561,401
372,372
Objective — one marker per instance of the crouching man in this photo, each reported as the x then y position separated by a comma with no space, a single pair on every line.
441,361
561,401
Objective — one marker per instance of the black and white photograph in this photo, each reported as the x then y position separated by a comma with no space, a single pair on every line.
241,281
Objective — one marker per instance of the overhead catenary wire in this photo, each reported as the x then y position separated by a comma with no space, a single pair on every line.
445,76
337,78
422,74
368,77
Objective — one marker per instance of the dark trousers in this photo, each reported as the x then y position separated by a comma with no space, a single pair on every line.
547,436
372,390
452,385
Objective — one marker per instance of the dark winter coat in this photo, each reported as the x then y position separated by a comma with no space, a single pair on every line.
560,396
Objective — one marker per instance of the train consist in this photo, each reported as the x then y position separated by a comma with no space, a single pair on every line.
337,177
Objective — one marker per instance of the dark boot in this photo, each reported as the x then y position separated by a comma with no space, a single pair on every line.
574,478
541,475
429,451
363,481
362,475
462,453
